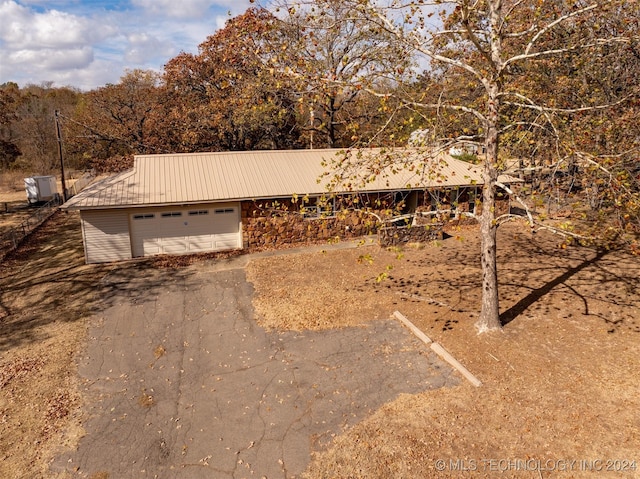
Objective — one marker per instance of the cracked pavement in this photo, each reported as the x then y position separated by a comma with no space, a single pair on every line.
181,382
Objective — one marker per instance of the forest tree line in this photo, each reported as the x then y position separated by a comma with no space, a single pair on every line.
229,96
299,81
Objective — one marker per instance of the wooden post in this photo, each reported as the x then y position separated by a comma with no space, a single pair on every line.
415,330
439,350
446,355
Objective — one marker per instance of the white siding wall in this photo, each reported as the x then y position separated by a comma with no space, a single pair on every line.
106,235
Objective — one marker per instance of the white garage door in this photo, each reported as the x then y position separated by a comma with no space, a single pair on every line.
185,230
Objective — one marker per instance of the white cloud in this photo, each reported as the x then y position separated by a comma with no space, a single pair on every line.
36,47
88,43
48,3
23,28
63,68
143,46
176,9
68,59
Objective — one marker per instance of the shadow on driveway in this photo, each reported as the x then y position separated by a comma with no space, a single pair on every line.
181,382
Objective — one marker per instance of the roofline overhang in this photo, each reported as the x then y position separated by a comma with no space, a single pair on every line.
260,198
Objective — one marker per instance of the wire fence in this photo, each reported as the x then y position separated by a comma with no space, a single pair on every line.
14,237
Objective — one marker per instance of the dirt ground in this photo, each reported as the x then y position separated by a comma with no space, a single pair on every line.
46,292
14,209
14,206
561,389
560,393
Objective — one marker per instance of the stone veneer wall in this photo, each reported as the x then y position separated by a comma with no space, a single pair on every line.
281,225
273,224
401,235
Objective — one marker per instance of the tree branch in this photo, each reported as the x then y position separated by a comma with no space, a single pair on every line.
532,106
511,193
437,106
556,22
472,36
557,51
417,43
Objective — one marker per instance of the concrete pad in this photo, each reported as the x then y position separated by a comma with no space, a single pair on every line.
181,382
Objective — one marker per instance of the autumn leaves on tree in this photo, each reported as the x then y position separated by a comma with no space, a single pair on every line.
519,79
547,89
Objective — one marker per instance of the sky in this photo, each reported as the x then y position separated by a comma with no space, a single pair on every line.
88,43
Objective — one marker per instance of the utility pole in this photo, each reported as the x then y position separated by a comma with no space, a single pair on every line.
59,136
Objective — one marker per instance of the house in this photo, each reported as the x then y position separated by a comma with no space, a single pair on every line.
202,202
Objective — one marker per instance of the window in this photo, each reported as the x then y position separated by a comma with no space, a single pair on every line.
224,211
318,207
472,200
146,216
199,213
172,214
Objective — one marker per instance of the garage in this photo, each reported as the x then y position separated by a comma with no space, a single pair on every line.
192,229
187,203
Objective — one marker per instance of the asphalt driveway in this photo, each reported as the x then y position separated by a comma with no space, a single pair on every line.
180,382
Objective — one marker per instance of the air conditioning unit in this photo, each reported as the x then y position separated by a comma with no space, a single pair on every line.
41,188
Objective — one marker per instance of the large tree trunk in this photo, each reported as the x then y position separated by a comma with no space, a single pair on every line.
490,312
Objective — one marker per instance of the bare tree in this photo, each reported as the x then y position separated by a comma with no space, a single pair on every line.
337,57
116,121
27,132
488,46
9,150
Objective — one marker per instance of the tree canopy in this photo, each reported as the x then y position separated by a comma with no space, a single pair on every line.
227,97
523,78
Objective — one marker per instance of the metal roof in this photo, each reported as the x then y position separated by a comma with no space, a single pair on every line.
231,176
